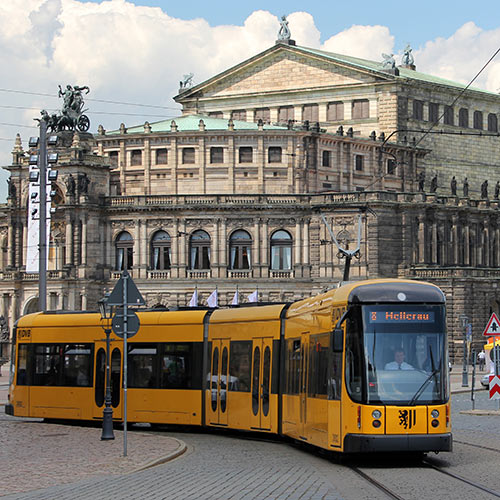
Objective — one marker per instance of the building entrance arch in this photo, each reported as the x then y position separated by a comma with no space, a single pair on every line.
31,306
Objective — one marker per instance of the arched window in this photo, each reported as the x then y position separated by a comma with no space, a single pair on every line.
478,120
281,250
240,249
124,246
160,251
199,250
463,118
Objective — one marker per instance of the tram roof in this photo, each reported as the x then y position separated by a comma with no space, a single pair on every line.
242,314
78,318
377,290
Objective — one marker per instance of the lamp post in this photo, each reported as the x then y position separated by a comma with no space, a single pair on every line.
107,412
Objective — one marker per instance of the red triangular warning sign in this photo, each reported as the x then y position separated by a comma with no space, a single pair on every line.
493,326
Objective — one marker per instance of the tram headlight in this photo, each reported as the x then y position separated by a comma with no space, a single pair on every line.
376,424
435,423
376,414
434,413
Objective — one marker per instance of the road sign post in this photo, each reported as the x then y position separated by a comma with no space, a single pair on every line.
125,294
465,320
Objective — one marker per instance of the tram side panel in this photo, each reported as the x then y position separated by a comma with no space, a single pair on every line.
165,370
310,412
242,380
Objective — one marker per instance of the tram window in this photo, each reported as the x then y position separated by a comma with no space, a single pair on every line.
336,376
176,366
354,357
77,365
239,366
116,365
22,364
142,362
318,365
292,366
47,364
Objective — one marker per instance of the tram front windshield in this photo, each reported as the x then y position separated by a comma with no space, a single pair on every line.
397,354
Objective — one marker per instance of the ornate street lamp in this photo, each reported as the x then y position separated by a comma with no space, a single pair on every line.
107,414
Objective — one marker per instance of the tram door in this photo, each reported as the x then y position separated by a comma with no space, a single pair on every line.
116,382
217,407
304,368
261,383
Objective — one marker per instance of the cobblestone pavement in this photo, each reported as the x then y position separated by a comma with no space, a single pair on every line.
51,461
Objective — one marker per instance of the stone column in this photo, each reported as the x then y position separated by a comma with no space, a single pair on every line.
183,250
11,245
69,243
486,244
322,110
137,248
261,163
216,257
202,174
175,250
231,160
175,164
146,163
223,239
273,114
264,229
84,241
306,241
454,239
347,110
144,245
122,166
467,253
421,239
297,258
434,236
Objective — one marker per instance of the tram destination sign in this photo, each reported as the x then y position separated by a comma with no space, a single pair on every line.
401,316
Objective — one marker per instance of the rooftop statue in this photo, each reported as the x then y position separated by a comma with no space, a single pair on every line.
71,116
187,81
284,32
388,62
408,59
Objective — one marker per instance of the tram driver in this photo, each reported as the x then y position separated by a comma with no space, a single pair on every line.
399,362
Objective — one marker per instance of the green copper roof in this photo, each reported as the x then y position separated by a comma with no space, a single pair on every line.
377,66
190,123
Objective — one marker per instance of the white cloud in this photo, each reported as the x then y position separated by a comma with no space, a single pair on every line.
138,54
367,42
462,55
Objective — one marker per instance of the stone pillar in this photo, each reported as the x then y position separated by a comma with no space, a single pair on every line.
146,163
216,256
434,236
231,160
11,245
84,241
454,240
223,238
202,174
69,243
273,114
298,242
261,163
421,239
175,250
183,250
467,254
263,226
297,112
322,110
486,244
174,163
144,246
137,248
306,241
347,110
122,165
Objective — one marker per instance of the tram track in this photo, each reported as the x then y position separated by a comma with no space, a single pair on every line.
474,445
376,483
428,463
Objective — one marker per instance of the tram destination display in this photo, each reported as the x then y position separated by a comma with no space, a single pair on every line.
401,316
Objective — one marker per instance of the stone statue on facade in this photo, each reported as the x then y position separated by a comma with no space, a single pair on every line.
71,116
484,190
11,188
466,188
186,82
83,183
421,181
4,330
453,186
70,185
434,184
407,59
388,62
284,31
497,190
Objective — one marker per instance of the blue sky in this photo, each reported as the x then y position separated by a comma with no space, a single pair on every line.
415,22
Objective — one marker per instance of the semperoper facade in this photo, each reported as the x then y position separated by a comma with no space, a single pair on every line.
230,194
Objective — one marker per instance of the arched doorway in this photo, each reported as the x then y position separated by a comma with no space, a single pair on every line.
31,306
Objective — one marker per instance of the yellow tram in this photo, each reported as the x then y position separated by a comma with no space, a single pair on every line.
360,368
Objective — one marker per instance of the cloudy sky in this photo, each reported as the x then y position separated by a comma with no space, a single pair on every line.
135,52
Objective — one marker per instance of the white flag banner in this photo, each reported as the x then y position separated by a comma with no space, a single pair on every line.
236,299
194,299
253,297
33,237
212,301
